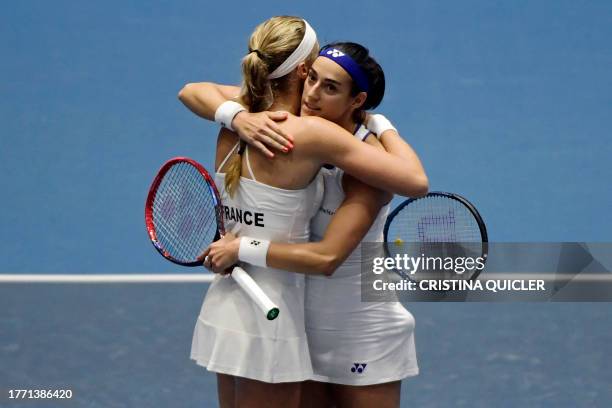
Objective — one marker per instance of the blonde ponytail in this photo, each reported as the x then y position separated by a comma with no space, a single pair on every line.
234,170
257,89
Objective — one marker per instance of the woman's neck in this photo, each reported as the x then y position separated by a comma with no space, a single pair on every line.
289,102
347,121
290,98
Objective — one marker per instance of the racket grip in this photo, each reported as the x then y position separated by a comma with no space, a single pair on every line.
255,293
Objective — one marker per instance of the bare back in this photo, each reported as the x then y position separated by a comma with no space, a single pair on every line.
291,171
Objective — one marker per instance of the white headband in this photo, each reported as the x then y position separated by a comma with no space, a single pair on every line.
298,55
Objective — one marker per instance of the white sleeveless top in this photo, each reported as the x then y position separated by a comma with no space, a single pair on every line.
232,335
261,211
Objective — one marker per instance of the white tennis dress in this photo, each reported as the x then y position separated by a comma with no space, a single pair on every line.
232,335
354,342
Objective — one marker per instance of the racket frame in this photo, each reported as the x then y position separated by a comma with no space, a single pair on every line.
151,199
239,275
481,225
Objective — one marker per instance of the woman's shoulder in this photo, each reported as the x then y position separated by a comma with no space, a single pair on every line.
312,121
226,141
310,127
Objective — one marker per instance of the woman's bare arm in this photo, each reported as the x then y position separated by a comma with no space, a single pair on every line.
326,142
203,98
257,129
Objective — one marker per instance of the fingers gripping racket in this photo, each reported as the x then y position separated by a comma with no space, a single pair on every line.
439,225
183,215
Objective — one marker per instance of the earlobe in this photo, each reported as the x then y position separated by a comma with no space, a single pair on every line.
360,100
302,71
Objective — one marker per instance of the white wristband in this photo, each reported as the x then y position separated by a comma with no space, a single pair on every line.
379,124
253,251
225,113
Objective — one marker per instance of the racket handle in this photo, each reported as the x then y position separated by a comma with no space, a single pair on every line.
254,291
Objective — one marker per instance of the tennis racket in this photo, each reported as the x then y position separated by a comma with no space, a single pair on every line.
183,216
438,226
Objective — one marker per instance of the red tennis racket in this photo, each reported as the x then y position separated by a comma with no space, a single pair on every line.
183,215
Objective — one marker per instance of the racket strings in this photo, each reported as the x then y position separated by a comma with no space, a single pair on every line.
183,227
437,228
202,212
184,213
199,207
168,224
435,219
434,227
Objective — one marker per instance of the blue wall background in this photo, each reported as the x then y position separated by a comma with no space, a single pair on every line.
507,103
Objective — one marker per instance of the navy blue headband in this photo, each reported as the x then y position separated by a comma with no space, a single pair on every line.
349,65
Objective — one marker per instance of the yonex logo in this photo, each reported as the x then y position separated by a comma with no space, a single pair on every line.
255,243
358,368
326,211
335,53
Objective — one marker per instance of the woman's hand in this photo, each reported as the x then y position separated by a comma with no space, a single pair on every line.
261,131
222,255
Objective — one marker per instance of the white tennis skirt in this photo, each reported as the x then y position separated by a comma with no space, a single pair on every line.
372,344
233,336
